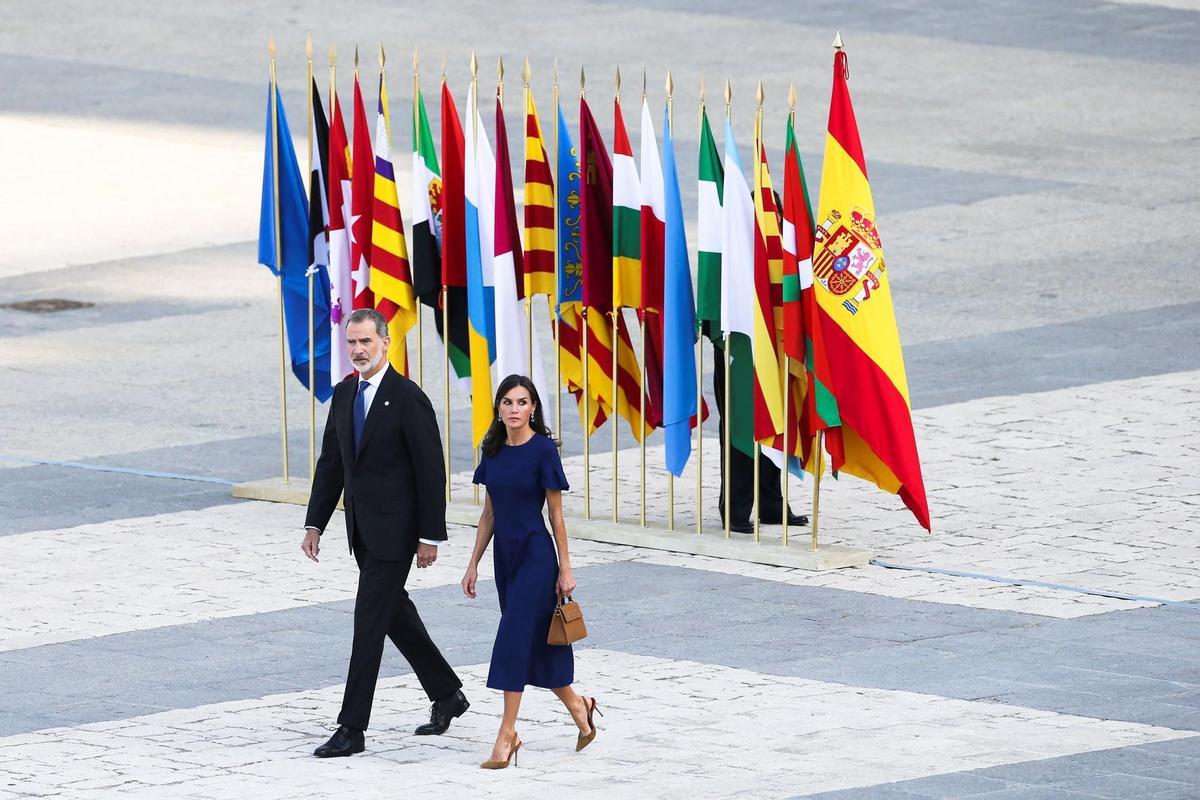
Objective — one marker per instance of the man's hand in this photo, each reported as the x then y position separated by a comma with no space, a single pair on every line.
426,555
311,544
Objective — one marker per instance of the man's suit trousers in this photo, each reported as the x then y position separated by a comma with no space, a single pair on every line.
382,610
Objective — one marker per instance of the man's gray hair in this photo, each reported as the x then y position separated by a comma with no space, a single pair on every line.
370,314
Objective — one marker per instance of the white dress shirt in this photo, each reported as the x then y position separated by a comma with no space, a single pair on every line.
368,398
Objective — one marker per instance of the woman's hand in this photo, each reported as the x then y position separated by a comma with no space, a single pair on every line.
566,582
468,581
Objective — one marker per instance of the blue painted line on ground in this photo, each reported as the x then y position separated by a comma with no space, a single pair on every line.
145,473
957,573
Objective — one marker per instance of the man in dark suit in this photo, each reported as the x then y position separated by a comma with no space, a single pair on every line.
383,452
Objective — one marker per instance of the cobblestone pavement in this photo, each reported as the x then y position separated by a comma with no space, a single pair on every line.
1035,168
196,654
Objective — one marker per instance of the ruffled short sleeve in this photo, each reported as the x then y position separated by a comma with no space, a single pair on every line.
552,475
481,472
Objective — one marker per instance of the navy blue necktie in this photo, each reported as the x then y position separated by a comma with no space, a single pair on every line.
360,411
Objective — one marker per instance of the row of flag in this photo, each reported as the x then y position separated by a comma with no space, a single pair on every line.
804,308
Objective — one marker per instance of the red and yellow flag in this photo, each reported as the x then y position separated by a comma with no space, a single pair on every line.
391,279
856,318
596,244
539,208
768,295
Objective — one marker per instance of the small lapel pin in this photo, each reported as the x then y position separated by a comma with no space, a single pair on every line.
387,402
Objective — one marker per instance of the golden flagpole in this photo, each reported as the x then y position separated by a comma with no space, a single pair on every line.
446,344
278,253
417,150
820,467
757,183
699,372
616,348
583,310
642,372
526,73
474,141
312,368
727,417
552,303
820,443
787,365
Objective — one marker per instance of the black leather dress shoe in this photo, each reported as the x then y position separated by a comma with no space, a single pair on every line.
741,527
793,519
345,741
442,712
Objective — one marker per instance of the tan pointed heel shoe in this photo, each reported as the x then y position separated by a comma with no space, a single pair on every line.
586,738
512,757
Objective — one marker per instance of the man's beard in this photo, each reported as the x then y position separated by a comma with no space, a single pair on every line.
371,363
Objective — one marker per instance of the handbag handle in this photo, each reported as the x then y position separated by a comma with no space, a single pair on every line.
563,599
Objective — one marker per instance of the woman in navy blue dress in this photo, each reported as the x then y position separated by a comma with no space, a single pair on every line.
523,473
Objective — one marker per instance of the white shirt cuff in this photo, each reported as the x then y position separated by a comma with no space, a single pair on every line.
430,541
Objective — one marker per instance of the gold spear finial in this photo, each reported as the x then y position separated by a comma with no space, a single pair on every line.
792,98
443,66
728,93
382,58
618,80
474,66
332,54
416,61
526,72
837,41
670,84
582,80
701,90
308,46
355,58
500,68
759,95
556,71
643,83
271,45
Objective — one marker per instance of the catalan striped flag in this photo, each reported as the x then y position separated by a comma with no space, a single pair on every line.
391,280
539,208
626,219
768,294
857,321
596,244
570,282
801,339
479,197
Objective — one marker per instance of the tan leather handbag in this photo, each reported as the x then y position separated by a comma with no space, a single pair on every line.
566,625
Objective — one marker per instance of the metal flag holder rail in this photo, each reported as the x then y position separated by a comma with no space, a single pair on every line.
719,543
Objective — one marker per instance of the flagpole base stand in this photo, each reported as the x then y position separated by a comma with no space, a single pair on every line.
797,555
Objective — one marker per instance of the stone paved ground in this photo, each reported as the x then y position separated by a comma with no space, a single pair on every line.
1034,165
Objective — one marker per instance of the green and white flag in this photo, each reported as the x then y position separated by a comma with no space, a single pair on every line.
708,283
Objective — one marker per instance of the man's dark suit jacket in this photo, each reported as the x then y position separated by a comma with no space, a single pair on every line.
394,485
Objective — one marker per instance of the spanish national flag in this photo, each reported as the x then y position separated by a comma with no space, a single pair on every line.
857,321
